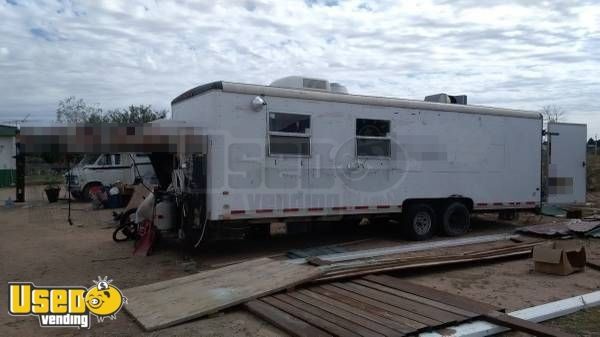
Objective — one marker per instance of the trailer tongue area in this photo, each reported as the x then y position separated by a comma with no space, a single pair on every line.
164,142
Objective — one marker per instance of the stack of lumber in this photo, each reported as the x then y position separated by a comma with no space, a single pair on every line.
179,300
399,262
377,306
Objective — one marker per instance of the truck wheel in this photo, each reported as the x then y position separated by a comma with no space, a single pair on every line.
85,193
76,195
456,219
419,222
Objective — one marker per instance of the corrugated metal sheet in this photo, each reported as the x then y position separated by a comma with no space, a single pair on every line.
550,229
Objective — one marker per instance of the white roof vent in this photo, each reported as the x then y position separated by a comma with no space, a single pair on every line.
306,83
299,82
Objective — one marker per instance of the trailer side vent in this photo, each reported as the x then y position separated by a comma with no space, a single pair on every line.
449,99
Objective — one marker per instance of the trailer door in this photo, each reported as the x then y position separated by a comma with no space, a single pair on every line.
567,163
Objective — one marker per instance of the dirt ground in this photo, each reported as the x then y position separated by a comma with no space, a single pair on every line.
38,245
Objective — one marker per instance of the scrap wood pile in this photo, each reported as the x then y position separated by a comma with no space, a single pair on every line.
385,264
587,227
175,301
378,306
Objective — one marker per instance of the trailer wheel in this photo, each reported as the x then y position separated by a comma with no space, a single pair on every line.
419,222
456,219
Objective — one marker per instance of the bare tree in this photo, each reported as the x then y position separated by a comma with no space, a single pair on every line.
553,113
73,110
135,114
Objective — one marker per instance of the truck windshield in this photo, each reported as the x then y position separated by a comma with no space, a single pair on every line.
88,159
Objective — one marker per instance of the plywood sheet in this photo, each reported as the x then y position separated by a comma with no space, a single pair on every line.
175,301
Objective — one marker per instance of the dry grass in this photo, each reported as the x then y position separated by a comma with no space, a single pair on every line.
585,323
593,172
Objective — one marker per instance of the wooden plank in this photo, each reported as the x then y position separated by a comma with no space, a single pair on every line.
340,274
376,308
386,261
207,274
410,317
417,308
408,304
523,325
433,294
333,318
416,298
286,322
175,301
359,310
332,272
330,306
404,248
310,318
488,312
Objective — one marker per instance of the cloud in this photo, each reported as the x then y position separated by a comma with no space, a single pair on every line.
519,54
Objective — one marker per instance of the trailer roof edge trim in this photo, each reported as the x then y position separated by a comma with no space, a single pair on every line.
218,85
252,89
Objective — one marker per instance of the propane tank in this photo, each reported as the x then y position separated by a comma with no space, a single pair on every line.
164,212
164,215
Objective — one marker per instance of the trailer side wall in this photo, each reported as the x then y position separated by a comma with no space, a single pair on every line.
494,160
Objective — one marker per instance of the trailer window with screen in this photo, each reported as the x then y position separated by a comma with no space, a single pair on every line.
289,134
372,138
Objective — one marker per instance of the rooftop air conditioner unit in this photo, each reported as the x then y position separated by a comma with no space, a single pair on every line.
449,99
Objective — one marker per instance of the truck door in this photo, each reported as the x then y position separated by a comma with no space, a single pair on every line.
100,171
566,182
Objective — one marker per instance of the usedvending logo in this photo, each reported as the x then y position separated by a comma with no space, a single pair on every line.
66,306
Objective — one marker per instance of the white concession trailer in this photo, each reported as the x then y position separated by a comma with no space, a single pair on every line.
303,150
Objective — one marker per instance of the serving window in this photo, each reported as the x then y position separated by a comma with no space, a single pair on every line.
289,134
373,138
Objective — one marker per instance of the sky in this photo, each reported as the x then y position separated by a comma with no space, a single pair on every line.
517,54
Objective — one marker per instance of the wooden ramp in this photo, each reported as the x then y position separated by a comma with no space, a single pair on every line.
167,303
378,306
361,307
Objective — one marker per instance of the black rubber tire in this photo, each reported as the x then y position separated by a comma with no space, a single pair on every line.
456,219
126,227
419,222
76,195
126,235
